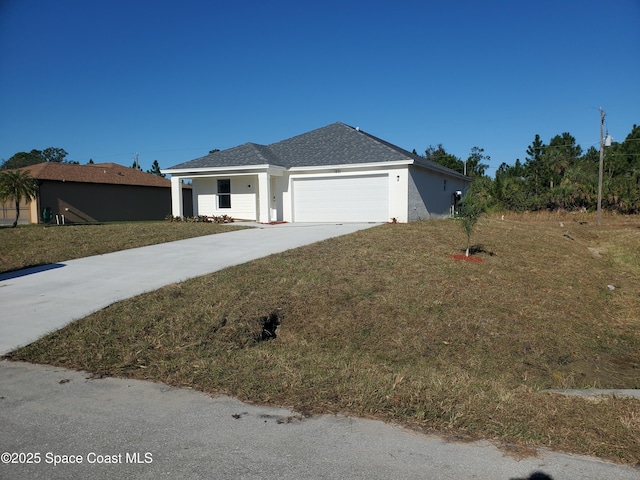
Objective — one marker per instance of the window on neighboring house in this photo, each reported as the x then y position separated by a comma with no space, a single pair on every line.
445,184
224,193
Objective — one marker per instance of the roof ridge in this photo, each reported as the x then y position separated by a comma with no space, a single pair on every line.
420,160
385,143
315,130
264,151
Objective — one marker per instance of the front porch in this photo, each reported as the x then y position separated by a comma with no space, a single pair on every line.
243,195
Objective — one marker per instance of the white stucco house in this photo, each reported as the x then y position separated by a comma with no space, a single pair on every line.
335,173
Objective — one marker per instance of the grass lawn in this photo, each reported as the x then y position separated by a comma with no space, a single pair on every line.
33,245
383,323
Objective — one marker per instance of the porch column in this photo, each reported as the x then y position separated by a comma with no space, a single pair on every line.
176,197
264,194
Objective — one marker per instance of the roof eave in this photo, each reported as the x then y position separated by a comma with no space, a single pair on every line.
444,170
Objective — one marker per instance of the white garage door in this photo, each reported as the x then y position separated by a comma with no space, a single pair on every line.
363,198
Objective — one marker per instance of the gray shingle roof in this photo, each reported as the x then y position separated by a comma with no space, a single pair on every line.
335,144
243,155
418,160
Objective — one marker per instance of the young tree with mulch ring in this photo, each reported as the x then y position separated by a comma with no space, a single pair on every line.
469,211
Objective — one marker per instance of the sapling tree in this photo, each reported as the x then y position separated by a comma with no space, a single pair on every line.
470,208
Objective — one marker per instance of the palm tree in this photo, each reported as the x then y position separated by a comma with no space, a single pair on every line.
16,185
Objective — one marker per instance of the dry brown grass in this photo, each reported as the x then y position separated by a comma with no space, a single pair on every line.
384,324
33,245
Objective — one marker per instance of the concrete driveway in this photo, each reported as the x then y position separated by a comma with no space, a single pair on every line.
57,423
39,300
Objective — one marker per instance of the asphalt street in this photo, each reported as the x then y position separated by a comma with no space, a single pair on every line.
119,429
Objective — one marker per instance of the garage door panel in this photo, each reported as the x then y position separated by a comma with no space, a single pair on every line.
362,198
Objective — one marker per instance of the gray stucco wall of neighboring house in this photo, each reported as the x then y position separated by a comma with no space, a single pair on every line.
429,195
85,202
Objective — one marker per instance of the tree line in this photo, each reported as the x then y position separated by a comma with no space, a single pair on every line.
24,159
555,175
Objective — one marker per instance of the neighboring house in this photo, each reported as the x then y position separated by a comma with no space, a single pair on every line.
102,192
333,174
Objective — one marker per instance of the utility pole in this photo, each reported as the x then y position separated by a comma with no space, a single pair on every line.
602,115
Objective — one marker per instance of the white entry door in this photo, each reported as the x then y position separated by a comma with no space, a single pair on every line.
361,198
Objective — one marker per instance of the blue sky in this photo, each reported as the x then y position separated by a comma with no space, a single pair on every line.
171,80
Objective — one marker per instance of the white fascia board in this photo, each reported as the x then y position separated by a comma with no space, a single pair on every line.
217,171
276,170
352,166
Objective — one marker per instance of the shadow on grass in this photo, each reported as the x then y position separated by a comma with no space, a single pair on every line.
475,249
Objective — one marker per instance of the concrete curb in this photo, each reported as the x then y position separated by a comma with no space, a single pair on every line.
626,392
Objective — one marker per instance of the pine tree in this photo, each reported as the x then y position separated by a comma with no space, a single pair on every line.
155,169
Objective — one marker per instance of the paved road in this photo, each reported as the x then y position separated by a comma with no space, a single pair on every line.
182,433
117,429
